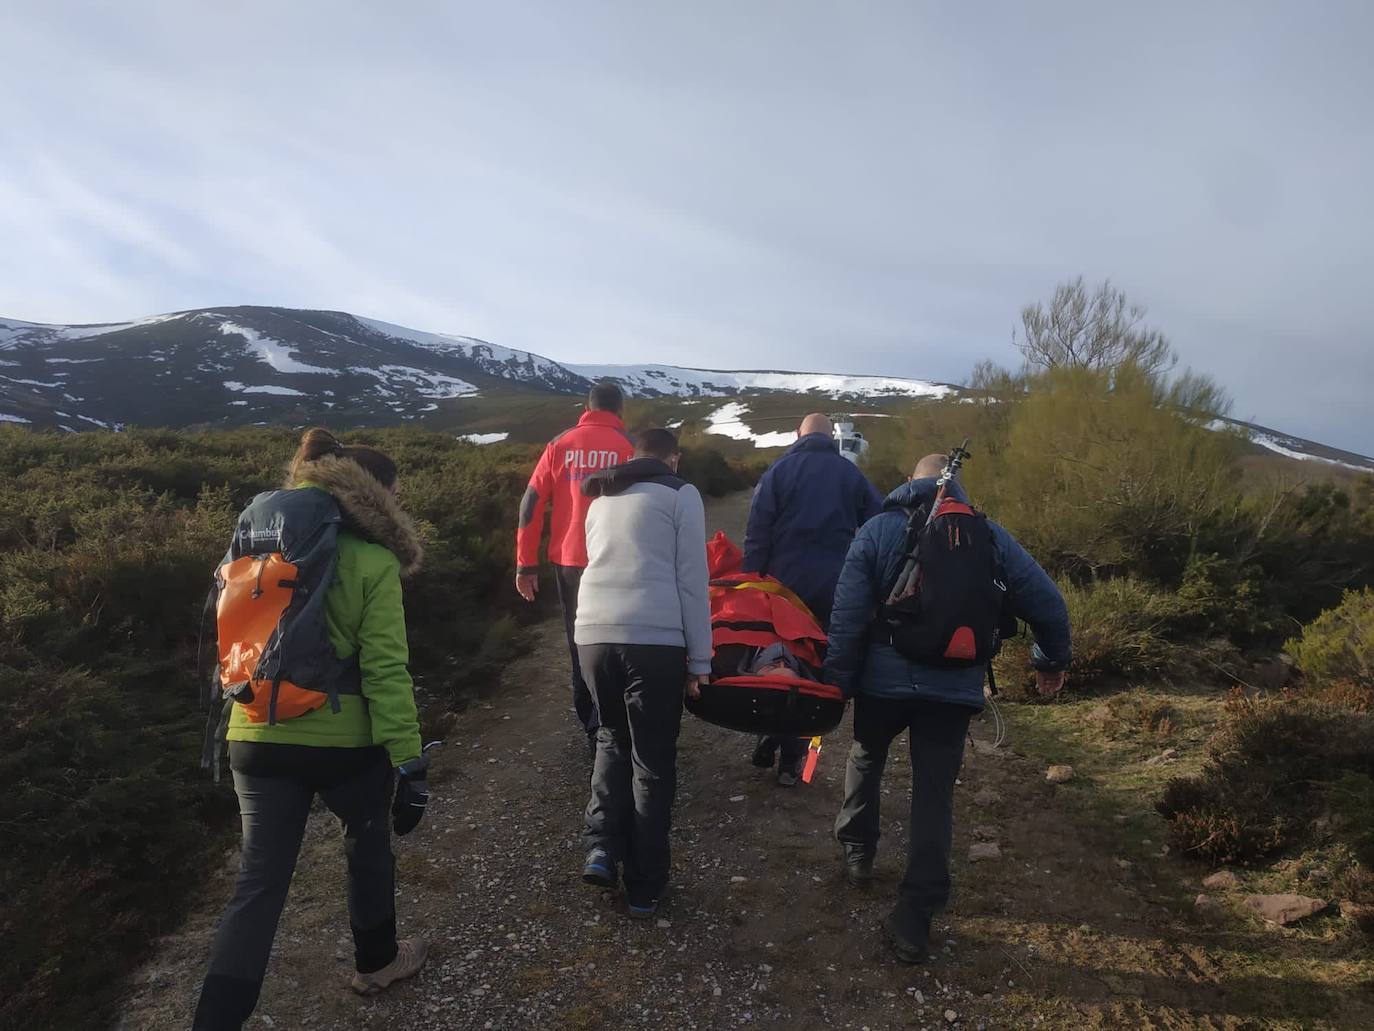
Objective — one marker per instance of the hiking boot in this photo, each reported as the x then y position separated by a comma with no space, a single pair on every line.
907,944
764,752
599,869
410,957
790,770
858,866
641,910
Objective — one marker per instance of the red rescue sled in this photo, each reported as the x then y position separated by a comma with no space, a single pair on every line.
768,655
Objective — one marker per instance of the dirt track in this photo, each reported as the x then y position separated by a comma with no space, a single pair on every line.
759,931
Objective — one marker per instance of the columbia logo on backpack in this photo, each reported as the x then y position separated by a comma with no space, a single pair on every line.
274,654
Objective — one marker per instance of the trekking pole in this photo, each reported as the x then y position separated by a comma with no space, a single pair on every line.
910,575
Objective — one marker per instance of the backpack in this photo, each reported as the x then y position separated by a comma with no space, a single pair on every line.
959,611
274,656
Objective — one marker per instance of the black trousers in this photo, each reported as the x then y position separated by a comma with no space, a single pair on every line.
638,690
937,732
792,750
569,579
276,784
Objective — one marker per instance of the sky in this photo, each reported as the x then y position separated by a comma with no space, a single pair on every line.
873,187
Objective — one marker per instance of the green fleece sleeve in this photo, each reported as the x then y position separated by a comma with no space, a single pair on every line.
383,654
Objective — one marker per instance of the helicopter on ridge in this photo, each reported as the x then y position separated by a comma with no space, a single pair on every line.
852,443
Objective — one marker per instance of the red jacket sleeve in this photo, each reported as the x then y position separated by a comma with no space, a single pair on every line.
530,528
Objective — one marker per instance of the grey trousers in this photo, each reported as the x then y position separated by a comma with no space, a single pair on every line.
936,738
638,690
276,785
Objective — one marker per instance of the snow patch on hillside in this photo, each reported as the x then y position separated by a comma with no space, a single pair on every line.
12,329
470,347
728,421
100,329
425,384
273,352
240,388
483,438
31,382
1282,445
1279,445
683,382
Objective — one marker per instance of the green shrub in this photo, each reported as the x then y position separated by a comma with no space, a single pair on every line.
107,545
1101,477
710,472
1339,644
1120,631
1219,598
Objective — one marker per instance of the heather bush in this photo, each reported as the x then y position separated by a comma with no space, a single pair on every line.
1276,765
1121,631
711,473
107,545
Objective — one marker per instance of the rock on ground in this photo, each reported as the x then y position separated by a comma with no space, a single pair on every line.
1059,774
1283,909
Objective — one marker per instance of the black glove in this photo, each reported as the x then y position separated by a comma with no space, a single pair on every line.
412,795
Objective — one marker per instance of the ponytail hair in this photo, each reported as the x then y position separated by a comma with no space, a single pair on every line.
318,444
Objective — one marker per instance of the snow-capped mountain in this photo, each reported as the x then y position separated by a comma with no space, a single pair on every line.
673,381
245,365
239,365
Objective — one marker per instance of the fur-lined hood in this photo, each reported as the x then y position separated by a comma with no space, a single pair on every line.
369,509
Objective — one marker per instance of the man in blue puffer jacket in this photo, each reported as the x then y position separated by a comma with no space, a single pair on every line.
805,511
893,694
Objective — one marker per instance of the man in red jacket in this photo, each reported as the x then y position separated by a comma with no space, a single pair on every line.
597,442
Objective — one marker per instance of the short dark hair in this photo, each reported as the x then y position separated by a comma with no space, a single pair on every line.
657,443
606,397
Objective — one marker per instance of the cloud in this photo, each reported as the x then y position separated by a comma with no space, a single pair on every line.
859,189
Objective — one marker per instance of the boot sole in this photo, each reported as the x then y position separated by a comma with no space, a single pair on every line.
598,877
905,953
901,951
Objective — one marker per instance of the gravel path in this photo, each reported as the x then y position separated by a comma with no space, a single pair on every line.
759,930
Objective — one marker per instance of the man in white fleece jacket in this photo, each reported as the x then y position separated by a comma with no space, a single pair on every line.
643,637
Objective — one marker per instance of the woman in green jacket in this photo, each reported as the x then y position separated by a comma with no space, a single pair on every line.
348,757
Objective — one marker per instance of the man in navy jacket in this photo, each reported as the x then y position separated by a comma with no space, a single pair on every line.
805,511
893,694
